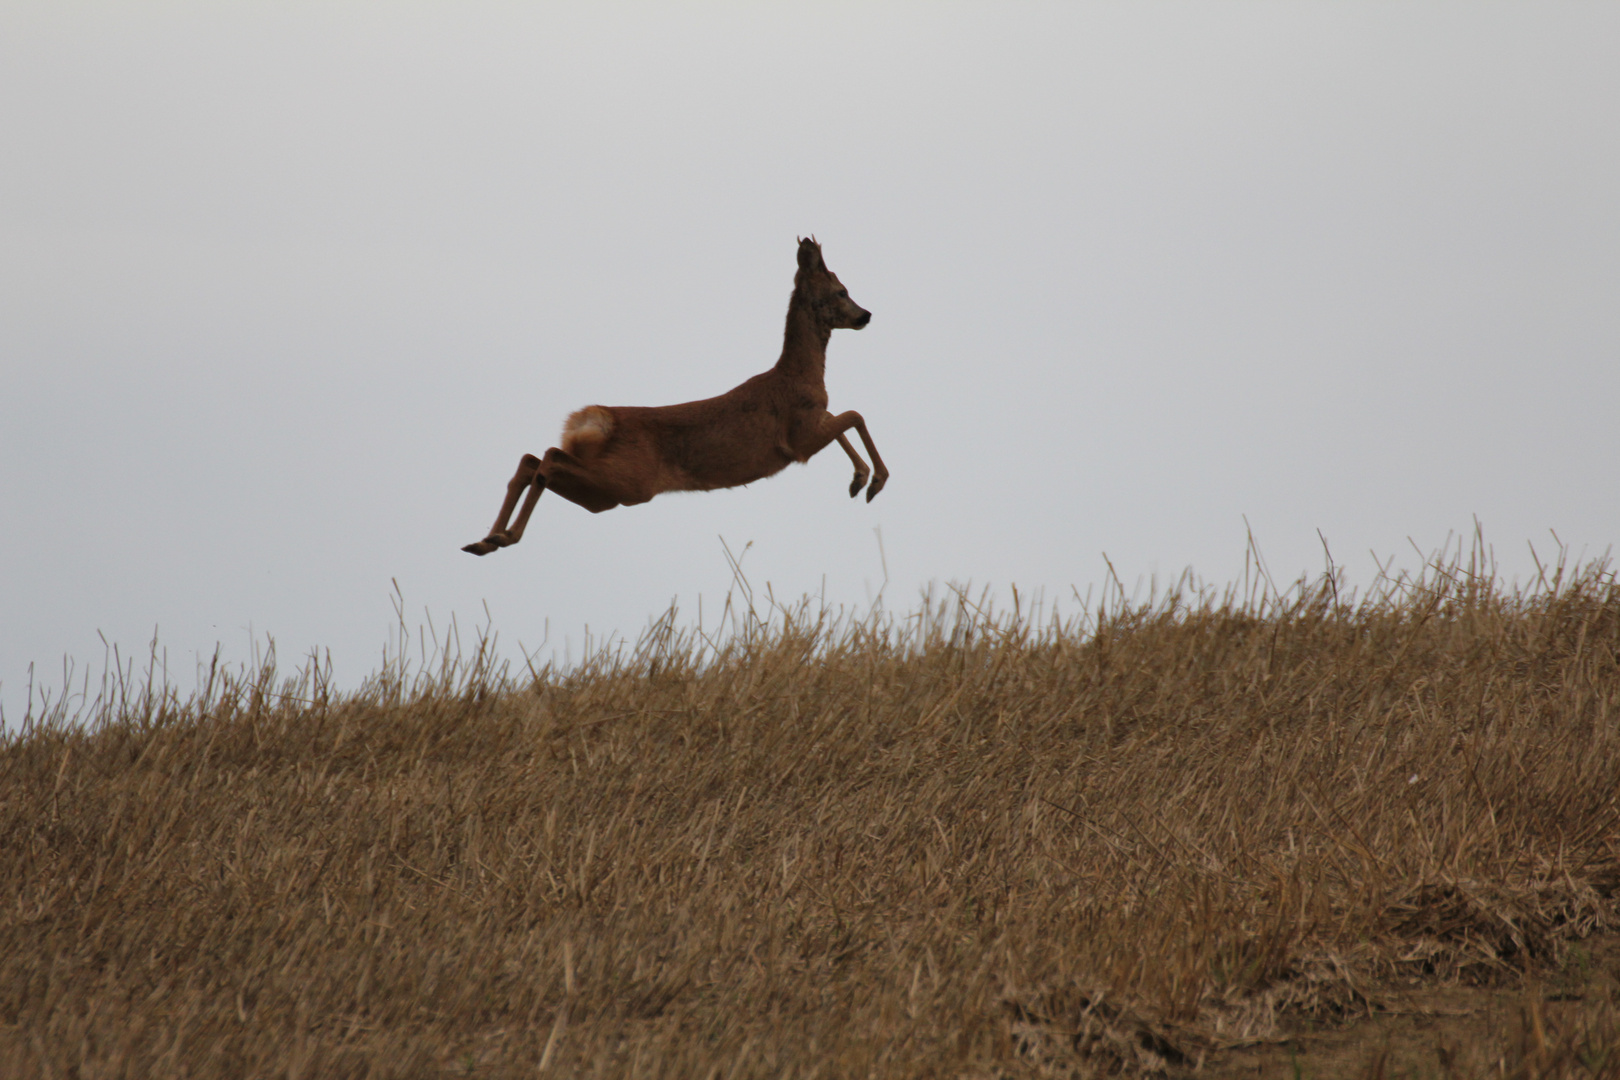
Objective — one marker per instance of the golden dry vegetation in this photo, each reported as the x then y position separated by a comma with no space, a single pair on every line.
1199,834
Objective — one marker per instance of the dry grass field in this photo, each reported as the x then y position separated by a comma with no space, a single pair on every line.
1260,833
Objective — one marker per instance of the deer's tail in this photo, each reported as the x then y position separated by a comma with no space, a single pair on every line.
587,430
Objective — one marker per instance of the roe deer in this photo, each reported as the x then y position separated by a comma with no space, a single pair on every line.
626,455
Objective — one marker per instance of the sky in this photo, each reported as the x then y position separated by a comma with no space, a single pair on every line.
287,289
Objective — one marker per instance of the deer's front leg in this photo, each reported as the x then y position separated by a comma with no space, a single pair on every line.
861,470
833,427
880,472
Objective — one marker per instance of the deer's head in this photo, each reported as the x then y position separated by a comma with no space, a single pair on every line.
828,300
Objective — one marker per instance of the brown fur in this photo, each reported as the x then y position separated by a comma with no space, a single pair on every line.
624,455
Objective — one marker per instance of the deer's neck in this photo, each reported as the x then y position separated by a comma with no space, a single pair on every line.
804,344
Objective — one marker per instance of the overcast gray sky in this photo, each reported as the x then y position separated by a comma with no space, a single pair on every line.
286,290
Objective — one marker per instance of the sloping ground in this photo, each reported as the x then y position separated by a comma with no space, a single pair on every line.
1563,1020
1203,834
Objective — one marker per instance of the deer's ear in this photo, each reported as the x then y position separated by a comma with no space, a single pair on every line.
810,255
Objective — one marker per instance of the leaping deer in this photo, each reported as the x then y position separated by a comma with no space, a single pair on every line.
625,455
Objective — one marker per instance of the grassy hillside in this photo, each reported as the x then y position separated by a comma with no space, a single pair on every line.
1198,831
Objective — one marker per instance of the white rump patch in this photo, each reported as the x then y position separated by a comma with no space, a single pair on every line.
586,430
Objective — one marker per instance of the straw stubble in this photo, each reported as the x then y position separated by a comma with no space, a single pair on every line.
960,843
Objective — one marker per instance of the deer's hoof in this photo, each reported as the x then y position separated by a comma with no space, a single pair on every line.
856,484
493,542
877,486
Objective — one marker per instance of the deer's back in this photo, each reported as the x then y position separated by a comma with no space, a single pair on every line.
716,442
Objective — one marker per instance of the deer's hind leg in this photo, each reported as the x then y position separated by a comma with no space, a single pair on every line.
582,484
527,476
571,476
